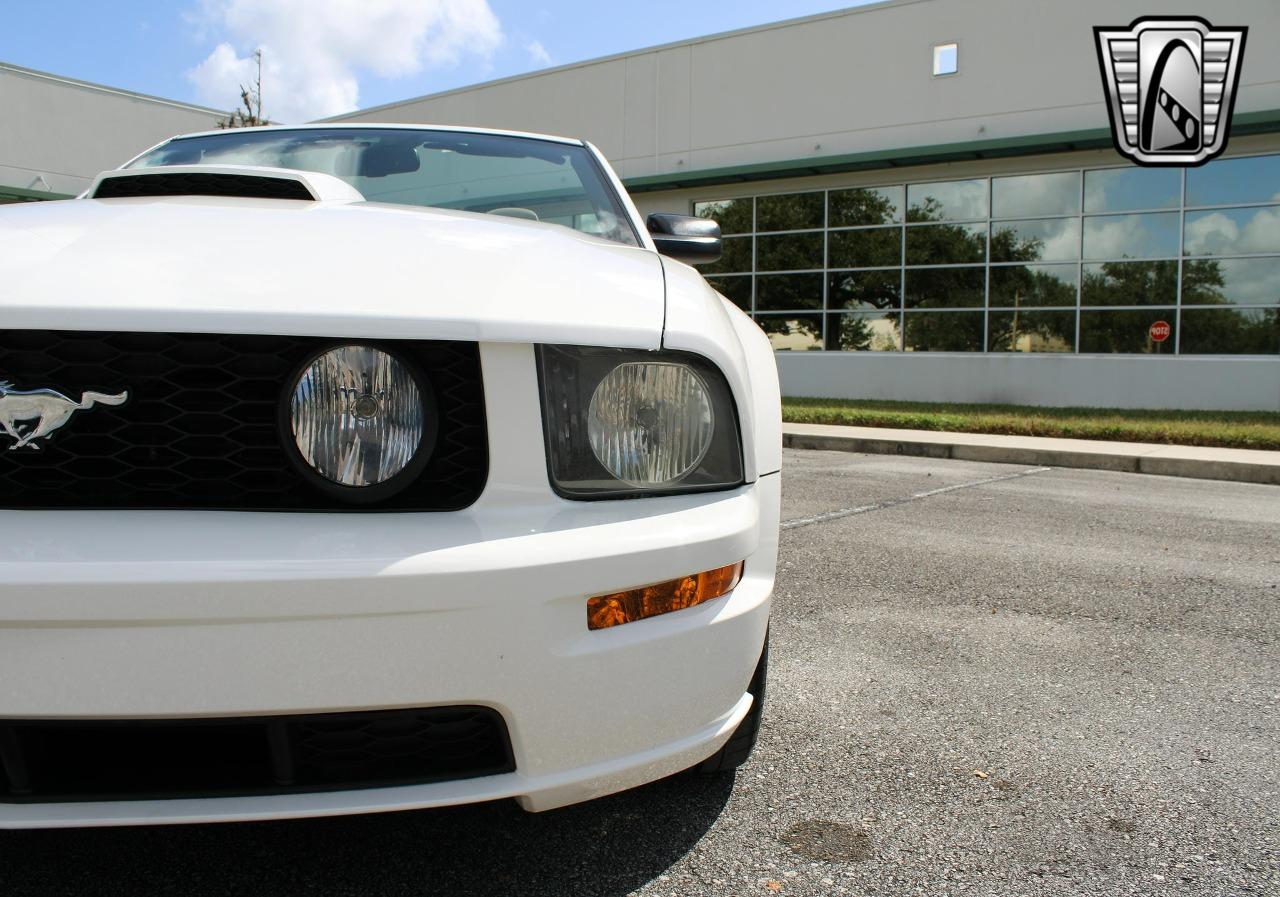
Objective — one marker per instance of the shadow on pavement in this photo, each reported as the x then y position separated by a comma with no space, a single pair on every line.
607,847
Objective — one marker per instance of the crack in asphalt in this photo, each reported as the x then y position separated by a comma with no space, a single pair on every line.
907,499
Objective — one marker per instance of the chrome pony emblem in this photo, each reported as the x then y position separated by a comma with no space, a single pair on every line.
1171,85
43,411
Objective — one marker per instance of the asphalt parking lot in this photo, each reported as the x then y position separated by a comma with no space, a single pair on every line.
986,679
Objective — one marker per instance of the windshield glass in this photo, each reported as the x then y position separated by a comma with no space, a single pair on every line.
521,177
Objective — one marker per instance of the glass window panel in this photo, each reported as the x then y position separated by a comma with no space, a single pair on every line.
735,257
1131,236
864,333
1130,283
1233,231
955,331
1231,281
790,211
947,200
789,252
792,333
865,289
1020,286
946,288
1036,195
733,215
866,205
946,59
1127,331
736,289
1049,240
1122,189
875,247
947,244
1231,181
1031,331
1230,331
782,292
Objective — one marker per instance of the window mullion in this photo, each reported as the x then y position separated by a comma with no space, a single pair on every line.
1182,250
1080,267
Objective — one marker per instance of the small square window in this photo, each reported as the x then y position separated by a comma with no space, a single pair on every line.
946,59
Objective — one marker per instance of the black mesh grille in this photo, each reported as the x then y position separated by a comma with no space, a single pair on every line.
201,427
43,760
202,184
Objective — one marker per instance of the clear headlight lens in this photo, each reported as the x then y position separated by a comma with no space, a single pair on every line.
357,416
623,422
650,423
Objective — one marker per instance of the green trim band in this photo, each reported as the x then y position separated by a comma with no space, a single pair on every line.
1266,122
24,193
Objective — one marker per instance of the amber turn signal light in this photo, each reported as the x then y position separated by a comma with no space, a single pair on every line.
604,611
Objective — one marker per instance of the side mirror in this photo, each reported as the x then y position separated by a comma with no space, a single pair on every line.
685,238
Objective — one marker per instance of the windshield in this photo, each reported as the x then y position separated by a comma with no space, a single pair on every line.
521,177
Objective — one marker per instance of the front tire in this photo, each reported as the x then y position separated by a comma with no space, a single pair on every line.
738,748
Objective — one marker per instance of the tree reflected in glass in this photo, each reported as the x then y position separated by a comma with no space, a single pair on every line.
789,211
871,205
863,333
792,332
735,216
943,332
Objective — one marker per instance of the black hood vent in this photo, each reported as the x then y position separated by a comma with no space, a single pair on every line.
186,183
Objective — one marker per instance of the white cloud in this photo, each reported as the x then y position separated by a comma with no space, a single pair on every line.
537,52
1236,231
315,50
1212,233
1250,281
1131,236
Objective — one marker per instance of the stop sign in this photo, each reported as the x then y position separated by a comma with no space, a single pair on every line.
1160,331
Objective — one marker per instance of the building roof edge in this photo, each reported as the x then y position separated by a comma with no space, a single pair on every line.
104,88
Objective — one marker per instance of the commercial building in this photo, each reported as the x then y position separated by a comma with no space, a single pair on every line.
921,200
59,133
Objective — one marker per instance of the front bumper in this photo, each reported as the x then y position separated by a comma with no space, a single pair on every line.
110,615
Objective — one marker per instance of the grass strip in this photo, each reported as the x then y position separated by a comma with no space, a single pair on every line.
1221,429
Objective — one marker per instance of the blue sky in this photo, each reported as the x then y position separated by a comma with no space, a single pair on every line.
324,56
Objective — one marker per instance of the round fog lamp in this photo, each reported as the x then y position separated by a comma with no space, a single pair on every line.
357,415
650,424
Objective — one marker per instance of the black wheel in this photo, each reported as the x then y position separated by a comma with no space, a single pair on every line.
738,748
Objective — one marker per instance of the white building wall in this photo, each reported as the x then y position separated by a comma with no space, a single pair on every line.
59,133
854,81
1088,381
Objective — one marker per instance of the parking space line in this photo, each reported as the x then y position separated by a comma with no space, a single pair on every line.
906,499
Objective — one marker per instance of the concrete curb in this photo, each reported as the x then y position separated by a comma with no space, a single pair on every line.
1235,465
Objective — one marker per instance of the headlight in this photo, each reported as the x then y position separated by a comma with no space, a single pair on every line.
628,422
360,419
650,423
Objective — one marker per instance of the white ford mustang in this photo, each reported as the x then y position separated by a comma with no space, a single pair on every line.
346,469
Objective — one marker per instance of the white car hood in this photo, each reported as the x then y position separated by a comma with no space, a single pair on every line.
348,270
